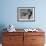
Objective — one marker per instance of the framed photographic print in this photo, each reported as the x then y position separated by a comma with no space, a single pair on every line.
26,14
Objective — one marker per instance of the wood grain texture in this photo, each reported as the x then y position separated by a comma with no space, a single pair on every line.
13,39
23,39
34,39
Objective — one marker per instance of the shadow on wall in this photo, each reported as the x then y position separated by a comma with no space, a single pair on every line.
2,26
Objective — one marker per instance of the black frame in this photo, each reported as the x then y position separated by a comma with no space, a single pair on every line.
25,8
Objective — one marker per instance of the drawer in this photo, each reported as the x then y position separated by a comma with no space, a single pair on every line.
33,39
37,39
34,33
12,44
37,44
13,33
27,41
27,37
8,45
12,39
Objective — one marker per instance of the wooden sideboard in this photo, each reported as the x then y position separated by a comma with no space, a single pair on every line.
23,39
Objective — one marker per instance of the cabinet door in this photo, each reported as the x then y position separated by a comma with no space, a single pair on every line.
27,40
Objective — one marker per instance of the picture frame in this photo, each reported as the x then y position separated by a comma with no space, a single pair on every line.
26,14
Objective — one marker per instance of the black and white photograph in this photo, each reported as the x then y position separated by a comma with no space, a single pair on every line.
26,13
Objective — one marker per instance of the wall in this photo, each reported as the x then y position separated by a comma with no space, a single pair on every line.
9,13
